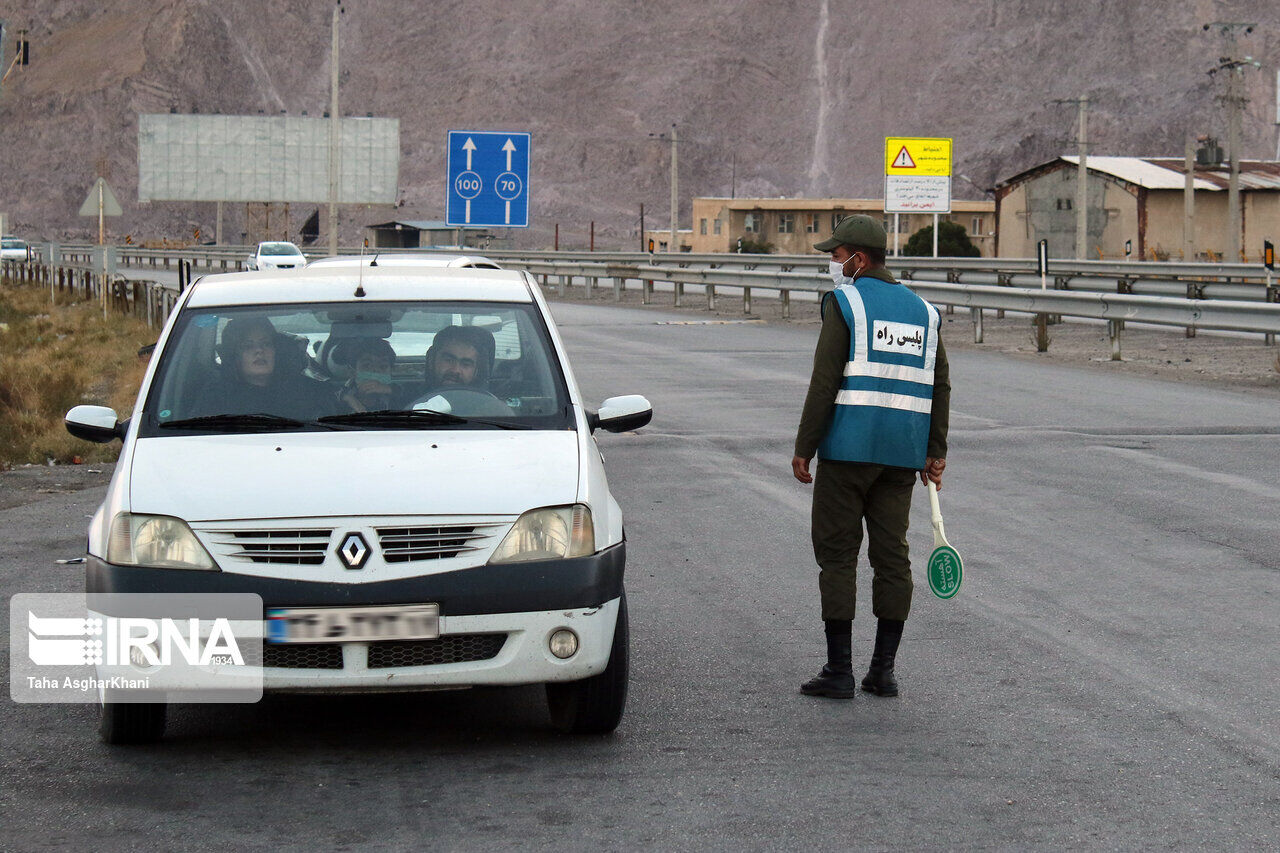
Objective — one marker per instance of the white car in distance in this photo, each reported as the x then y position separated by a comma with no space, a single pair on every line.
277,255
13,249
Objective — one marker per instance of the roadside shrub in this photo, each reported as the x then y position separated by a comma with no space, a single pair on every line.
53,358
953,242
748,246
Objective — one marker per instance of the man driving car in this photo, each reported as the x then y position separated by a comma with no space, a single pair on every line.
460,357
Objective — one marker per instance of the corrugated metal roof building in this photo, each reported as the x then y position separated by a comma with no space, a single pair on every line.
423,233
1136,199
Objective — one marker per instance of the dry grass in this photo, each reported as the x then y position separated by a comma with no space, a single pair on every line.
54,358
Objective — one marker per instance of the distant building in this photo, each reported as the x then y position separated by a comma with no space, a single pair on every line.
1139,200
424,233
658,238
793,225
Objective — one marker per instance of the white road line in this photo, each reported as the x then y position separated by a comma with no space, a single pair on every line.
1230,481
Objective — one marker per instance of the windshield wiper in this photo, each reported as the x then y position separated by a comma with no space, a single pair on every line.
257,422
418,418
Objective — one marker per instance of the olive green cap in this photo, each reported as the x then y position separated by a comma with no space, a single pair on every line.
856,230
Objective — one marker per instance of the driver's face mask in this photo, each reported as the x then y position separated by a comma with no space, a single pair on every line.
837,272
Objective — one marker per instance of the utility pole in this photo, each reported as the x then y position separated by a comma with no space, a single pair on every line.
1082,174
335,133
675,194
1235,98
1189,204
1235,102
643,246
1082,185
1278,115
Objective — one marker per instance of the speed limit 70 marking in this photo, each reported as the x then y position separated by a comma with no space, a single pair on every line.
508,186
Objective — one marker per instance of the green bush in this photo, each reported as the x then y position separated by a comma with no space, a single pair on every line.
751,247
953,242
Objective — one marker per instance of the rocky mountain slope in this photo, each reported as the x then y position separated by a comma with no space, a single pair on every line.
791,97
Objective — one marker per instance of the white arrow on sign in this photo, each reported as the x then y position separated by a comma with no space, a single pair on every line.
467,217
508,147
508,209
470,146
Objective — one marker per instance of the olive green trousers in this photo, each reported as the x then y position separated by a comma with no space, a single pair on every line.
845,494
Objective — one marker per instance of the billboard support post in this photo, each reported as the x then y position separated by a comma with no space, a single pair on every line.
334,136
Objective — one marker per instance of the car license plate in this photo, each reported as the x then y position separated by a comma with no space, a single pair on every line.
353,624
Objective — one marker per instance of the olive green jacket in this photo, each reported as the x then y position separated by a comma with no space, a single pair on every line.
829,360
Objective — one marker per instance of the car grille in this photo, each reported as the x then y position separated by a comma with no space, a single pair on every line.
451,648
386,654
302,655
294,547
407,544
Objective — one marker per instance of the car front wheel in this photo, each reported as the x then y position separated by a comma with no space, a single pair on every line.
132,722
594,705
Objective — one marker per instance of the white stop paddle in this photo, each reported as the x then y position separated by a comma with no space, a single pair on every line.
945,567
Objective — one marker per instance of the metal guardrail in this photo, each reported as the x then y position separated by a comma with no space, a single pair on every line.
1226,297
234,257
81,281
1115,308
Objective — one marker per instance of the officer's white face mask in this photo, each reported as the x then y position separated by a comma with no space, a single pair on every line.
837,273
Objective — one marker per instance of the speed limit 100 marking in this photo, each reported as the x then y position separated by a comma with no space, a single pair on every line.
468,185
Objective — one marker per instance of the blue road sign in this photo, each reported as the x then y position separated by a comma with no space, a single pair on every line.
488,179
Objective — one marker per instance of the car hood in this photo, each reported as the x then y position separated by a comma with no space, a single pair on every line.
300,475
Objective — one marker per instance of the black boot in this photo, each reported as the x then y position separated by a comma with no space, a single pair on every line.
879,679
836,679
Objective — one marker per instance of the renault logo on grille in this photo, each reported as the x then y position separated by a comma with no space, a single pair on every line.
354,551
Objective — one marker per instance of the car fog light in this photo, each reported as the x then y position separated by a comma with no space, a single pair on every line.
563,643
138,658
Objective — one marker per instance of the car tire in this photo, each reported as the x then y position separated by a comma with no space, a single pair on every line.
132,722
594,705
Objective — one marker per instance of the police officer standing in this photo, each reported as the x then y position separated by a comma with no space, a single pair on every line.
876,416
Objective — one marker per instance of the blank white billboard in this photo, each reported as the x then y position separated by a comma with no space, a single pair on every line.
265,158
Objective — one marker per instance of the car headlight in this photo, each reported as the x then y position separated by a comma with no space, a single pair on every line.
155,540
552,533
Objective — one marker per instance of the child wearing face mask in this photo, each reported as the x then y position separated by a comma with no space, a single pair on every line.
369,389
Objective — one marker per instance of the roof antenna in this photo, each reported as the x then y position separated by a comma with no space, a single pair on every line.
360,269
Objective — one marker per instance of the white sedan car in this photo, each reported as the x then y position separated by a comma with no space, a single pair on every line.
13,249
277,256
422,507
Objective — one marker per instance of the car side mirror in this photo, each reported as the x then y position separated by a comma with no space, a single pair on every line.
94,423
621,414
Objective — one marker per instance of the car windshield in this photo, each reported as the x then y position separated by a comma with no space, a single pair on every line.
278,249
8,243
358,366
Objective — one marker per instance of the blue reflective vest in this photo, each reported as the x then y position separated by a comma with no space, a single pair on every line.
882,410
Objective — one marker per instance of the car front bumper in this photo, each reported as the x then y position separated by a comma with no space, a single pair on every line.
495,622
524,657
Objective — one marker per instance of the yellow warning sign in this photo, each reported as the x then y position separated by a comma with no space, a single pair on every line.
909,155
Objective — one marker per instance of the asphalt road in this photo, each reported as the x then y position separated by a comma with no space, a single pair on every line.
1105,679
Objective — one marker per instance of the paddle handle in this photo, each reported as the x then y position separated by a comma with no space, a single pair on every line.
939,534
